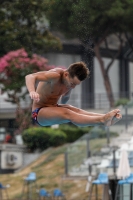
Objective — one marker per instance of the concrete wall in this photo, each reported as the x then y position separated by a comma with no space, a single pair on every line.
60,59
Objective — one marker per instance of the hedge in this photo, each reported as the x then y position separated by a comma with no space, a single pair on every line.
73,132
42,137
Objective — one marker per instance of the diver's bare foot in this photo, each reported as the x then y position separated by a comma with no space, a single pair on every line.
116,118
107,119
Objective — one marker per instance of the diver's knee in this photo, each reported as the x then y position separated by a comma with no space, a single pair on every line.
67,114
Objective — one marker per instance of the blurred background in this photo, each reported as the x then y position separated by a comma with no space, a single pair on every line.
37,36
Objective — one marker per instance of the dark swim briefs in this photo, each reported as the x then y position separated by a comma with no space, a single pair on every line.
34,115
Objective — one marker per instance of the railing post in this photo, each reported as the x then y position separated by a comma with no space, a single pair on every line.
88,148
114,162
89,156
108,136
126,117
66,163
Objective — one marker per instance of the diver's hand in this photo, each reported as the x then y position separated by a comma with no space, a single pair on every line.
35,96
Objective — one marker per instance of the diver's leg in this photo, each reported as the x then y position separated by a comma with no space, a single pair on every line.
115,119
57,115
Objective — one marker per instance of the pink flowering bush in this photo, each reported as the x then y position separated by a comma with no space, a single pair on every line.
14,66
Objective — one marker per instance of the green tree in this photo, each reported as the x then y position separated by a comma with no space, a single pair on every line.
23,25
93,21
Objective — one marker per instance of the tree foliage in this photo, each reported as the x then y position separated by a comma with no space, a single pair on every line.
94,21
23,25
86,18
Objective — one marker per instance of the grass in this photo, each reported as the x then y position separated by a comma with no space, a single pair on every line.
49,169
97,144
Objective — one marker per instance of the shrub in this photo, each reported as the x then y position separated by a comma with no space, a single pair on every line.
122,101
42,137
73,132
100,132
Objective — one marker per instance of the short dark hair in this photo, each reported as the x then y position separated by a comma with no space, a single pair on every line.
78,69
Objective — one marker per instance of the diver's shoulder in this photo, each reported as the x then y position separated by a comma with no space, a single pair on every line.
58,71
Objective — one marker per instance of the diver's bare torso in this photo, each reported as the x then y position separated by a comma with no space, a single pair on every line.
50,91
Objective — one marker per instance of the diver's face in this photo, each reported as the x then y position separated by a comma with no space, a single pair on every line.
70,82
